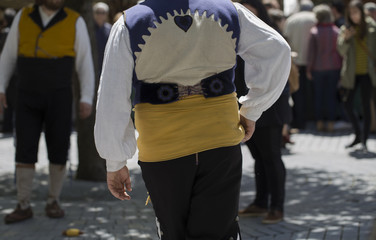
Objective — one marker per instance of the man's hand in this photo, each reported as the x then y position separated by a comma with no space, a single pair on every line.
3,102
119,182
85,110
249,127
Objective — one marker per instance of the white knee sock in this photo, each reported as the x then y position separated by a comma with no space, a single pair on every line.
24,183
56,181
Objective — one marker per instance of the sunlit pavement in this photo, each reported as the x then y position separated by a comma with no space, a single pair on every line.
331,194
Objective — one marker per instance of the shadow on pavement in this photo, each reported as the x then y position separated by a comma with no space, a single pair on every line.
89,206
317,203
360,154
6,135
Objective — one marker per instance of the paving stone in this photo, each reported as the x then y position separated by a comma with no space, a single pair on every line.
350,232
327,186
317,234
266,238
333,233
300,235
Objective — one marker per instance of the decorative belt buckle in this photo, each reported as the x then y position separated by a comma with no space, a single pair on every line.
185,91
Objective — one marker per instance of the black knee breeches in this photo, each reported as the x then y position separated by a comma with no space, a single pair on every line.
49,111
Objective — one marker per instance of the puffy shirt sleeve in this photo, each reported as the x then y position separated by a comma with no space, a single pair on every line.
267,63
114,131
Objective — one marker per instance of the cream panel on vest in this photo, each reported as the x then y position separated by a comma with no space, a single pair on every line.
170,53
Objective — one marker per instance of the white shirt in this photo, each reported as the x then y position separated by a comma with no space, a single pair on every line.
267,66
83,63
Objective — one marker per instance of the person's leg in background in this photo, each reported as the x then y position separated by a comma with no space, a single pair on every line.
349,107
259,206
57,132
270,174
373,110
299,101
267,141
331,98
366,95
276,173
319,89
29,122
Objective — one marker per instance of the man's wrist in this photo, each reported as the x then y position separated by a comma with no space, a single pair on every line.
113,166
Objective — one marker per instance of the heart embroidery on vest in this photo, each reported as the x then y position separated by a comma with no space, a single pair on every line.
184,22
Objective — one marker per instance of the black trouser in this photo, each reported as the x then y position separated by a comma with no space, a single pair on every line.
299,97
8,121
53,111
364,83
270,172
196,196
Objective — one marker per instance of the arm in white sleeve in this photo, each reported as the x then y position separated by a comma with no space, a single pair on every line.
267,63
114,132
84,62
8,58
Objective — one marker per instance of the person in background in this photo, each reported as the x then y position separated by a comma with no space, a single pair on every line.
186,109
297,32
8,118
117,16
278,21
271,4
265,147
324,65
357,45
10,13
44,93
370,10
6,19
102,29
338,9
3,24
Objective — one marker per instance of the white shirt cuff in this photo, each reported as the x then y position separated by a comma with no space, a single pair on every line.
87,99
250,113
113,166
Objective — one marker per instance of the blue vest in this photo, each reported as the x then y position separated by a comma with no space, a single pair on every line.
179,15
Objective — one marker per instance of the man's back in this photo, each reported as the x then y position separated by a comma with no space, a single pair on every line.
297,32
194,43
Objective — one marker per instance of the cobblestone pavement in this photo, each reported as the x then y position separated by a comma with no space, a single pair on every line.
331,195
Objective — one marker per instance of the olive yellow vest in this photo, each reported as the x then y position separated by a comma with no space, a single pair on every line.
53,41
46,53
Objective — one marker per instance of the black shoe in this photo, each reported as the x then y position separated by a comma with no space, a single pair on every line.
18,215
273,216
54,210
253,211
355,142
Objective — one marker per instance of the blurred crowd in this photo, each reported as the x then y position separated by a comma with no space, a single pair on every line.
332,81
